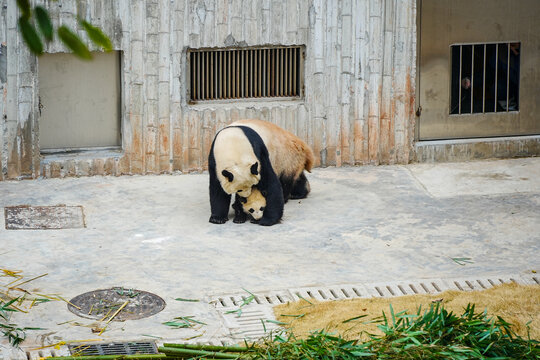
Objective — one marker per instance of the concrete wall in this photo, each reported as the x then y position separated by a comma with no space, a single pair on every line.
359,81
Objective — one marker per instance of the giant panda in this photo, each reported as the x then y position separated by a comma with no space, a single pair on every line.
238,160
289,156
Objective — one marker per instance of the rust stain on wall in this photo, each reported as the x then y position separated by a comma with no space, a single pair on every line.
163,135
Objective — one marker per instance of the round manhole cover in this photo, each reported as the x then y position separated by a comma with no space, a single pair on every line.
123,304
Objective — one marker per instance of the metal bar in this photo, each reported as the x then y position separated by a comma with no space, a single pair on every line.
247,73
229,74
472,76
484,83
241,73
295,91
206,75
221,75
281,72
199,77
224,74
259,73
201,84
460,69
263,72
271,71
191,77
508,80
285,89
211,76
289,71
251,74
233,73
496,73
194,77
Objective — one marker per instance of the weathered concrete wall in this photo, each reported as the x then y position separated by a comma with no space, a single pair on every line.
359,81
477,149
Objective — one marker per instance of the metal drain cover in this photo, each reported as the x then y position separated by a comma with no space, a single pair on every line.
119,348
103,304
25,217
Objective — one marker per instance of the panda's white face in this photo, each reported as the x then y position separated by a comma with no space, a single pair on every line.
240,179
254,204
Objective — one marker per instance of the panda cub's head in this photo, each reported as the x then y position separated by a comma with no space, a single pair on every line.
254,204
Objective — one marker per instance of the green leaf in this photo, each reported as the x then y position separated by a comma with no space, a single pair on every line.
74,43
362,353
30,36
24,6
354,318
188,300
44,22
276,322
97,36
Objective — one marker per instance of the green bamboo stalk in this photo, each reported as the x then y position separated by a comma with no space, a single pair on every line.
111,357
208,347
212,354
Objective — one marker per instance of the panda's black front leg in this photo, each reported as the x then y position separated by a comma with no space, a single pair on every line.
240,216
219,201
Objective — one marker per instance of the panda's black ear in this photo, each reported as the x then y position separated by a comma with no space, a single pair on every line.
243,200
254,169
228,175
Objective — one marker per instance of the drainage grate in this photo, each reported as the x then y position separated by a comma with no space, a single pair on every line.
25,217
254,322
122,348
127,304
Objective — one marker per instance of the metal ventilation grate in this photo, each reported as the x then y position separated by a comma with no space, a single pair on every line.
121,348
245,73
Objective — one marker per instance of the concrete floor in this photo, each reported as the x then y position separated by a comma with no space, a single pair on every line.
359,224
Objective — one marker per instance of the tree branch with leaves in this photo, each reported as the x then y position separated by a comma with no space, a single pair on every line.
34,39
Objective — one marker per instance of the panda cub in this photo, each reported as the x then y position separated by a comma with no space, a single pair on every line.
254,204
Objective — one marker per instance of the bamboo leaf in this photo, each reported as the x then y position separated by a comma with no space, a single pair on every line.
44,22
276,322
24,6
354,318
74,43
188,300
97,36
30,36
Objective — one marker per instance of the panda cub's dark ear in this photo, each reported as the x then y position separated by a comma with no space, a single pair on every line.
254,169
243,199
228,175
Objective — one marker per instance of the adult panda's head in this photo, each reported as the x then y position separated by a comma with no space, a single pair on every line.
239,179
237,166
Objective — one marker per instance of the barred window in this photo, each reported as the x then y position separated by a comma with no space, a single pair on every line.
265,72
485,78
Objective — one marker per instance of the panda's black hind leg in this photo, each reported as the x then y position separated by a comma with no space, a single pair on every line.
301,187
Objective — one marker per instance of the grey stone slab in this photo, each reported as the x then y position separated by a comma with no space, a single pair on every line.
26,217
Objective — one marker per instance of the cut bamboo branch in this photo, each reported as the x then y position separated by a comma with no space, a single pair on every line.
212,354
208,347
26,281
61,298
112,317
